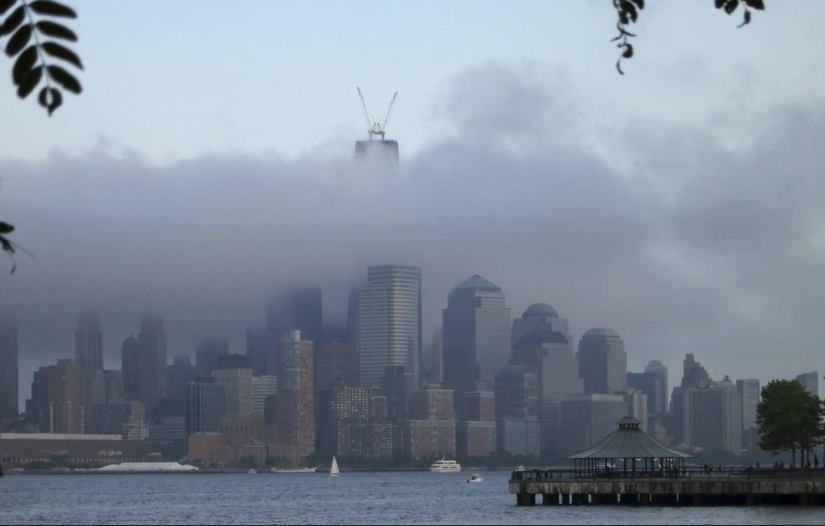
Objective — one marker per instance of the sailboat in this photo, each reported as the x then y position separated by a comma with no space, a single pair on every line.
333,471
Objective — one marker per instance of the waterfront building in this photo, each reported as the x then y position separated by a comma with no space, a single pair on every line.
587,419
57,398
205,405
517,411
295,421
60,450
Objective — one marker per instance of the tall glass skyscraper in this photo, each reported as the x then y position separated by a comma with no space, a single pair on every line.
89,342
602,362
476,336
389,322
8,371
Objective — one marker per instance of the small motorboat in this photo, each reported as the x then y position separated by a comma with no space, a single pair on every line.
253,472
476,478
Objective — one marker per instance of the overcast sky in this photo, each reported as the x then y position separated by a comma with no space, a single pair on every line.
209,161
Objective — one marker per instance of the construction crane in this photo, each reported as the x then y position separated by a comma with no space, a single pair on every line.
374,128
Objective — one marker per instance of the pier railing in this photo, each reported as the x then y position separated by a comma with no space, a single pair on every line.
542,475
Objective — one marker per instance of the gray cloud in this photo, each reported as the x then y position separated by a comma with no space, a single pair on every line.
696,248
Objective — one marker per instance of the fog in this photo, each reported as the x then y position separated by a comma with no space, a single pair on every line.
668,234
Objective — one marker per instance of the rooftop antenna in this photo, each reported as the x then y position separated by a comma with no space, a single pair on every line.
374,128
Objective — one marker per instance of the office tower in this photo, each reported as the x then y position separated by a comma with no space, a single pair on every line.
751,394
810,381
637,407
476,336
234,374
587,419
437,356
262,388
178,377
114,386
543,346
517,411
694,375
352,311
399,385
602,362
57,396
152,361
205,405
130,367
295,427
9,407
296,309
389,322
89,342
716,418
94,393
259,352
337,366
654,383
207,353
430,431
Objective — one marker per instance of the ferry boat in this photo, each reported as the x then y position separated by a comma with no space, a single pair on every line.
446,466
292,471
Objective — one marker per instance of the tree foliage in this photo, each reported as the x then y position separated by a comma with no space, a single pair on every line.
790,418
628,11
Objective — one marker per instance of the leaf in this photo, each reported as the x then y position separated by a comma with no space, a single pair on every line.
639,3
5,5
56,50
50,8
6,228
13,21
747,19
51,99
619,66
630,9
6,244
25,62
17,42
29,82
756,4
731,6
720,4
65,79
628,51
55,30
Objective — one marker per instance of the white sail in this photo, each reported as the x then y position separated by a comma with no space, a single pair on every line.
333,472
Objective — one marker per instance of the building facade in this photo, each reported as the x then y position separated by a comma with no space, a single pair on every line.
57,396
205,405
234,374
587,419
9,383
295,421
602,362
337,366
389,322
517,412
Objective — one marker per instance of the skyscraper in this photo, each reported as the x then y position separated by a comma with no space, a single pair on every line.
205,405
751,395
476,336
234,374
517,411
152,341
207,353
602,362
89,342
543,346
337,366
130,369
810,381
586,419
654,383
9,408
57,396
259,352
298,309
295,426
389,322
178,377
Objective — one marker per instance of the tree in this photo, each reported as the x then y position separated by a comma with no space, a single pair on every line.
790,419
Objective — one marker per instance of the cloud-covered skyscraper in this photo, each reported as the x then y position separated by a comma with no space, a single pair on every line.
602,362
389,322
89,342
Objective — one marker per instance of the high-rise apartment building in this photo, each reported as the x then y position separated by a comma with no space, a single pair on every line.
810,381
9,407
234,374
476,336
389,322
57,397
355,425
431,428
207,353
476,436
602,362
205,405
295,426
89,342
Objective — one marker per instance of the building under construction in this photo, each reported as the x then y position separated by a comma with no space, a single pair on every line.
377,148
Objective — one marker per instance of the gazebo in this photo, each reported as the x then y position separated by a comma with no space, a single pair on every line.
639,454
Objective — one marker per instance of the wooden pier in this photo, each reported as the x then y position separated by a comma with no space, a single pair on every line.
688,487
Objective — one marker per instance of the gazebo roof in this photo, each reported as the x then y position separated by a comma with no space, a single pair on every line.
629,441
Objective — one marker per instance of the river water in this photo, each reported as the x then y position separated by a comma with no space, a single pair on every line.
352,498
